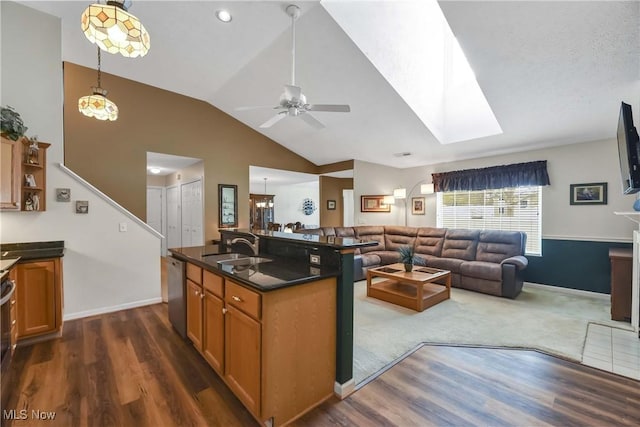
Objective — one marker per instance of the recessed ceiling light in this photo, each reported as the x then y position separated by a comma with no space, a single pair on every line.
154,170
223,15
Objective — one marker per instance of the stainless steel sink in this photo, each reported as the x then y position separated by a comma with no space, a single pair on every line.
224,257
247,260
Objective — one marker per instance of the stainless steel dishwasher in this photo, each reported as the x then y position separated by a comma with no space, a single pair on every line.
177,295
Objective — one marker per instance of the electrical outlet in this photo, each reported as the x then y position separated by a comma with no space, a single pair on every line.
123,227
314,259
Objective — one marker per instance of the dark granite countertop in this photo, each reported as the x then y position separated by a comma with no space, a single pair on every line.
313,239
32,250
278,273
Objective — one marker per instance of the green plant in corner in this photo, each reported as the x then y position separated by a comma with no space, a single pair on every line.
12,124
408,257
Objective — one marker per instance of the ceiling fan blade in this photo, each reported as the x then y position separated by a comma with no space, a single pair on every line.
292,92
273,120
257,107
328,107
311,120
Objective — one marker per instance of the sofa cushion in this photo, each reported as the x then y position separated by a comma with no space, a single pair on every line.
451,264
460,244
387,257
345,232
490,287
496,246
371,233
429,241
328,231
370,260
482,270
396,237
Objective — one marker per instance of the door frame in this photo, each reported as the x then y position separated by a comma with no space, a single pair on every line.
163,216
179,200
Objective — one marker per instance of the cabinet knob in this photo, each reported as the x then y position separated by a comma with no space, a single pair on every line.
235,298
13,322
197,293
224,310
201,296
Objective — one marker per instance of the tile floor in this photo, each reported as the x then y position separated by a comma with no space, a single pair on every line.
612,349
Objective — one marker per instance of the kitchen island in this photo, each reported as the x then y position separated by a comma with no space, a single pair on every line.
272,325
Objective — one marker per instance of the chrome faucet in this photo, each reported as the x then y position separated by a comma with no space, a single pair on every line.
255,246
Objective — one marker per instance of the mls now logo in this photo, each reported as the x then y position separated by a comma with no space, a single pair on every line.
23,414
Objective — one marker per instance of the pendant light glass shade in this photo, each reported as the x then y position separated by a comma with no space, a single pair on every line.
115,30
98,106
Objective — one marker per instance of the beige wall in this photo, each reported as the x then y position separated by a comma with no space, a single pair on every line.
331,189
112,155
190,173
156,181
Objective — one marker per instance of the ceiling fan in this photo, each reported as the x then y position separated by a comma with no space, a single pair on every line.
292,101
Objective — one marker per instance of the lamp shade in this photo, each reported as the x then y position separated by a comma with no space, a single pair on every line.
98,106
400,193
115,30
389,200
426,189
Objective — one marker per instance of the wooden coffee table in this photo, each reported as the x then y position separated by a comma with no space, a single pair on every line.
415,289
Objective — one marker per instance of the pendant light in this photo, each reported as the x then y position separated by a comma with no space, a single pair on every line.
114,29
97,105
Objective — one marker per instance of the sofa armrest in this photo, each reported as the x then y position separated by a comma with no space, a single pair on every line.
519,261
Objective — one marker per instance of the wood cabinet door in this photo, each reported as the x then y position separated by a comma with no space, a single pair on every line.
213,336
242,357
10,176
194,313
37,299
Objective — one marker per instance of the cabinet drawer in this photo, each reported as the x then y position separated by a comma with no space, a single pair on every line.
213,283
243,299
194,273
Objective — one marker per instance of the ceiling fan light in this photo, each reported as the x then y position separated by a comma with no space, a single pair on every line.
224,15
115,30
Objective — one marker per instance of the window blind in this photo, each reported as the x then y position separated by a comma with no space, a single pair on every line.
512,209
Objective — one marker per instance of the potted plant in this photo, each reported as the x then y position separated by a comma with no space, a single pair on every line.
409,258
12,124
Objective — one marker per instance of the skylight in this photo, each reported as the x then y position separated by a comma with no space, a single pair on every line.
413,47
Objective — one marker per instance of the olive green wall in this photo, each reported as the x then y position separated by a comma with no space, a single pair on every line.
112,155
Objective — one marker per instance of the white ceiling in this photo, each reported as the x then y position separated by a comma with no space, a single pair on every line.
168,163
553,72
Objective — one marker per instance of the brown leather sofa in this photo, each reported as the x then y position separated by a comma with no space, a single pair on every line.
487,261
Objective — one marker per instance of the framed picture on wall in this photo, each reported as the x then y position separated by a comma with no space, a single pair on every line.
417,205
227,206
373,204
594,193
331,205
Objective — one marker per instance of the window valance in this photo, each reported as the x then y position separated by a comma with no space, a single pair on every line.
505,176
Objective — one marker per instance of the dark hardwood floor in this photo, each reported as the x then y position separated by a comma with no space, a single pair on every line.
131,369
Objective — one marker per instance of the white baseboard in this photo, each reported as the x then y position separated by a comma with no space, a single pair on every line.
104,310
569,290
342,391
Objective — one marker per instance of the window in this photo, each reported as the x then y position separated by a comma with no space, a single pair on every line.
511,209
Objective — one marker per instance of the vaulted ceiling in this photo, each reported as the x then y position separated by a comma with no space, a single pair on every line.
552,72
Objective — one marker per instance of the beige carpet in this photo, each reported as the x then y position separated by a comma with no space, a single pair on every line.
542,317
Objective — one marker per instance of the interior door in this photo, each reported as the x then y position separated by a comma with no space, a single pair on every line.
347,206
174,223
192,203
154,214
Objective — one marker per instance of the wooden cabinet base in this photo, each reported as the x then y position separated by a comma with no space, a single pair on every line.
39,298
278,352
